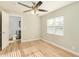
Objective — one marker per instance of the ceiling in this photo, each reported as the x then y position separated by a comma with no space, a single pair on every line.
12,6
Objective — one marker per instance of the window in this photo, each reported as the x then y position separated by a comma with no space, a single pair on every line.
56,25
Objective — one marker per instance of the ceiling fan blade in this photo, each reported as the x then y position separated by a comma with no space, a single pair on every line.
38,4
42,10
33,3
27,10
24,5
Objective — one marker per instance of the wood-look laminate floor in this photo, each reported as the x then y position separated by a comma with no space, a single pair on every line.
36,48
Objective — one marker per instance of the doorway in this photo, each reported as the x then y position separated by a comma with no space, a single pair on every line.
15,28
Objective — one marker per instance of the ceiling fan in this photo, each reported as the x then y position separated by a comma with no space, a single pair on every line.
34,7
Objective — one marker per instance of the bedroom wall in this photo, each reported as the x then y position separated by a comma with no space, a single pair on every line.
30,27
70,40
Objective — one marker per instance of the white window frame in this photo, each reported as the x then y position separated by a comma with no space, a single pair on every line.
54,29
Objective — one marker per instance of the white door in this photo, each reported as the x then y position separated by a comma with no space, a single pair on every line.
5,29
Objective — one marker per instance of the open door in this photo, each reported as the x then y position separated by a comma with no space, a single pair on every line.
0,31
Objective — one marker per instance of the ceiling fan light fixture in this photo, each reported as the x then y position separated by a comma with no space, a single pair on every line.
32,12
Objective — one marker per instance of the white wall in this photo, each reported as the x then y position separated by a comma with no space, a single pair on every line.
5,29
70,40
30,27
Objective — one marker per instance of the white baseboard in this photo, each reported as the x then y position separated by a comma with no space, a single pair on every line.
24,40
75,53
